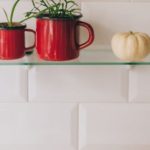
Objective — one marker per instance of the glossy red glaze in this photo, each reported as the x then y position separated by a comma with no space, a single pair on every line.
58,39
12,43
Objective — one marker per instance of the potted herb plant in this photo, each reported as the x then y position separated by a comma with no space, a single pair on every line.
12,37
57,29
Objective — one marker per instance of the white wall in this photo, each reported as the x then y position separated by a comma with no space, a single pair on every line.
79,107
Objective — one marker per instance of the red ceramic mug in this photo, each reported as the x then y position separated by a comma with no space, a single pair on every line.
12,42
57,39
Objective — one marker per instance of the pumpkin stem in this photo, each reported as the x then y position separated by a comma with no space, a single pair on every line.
131,32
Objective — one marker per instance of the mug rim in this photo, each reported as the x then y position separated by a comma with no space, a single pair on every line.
59,18
17,27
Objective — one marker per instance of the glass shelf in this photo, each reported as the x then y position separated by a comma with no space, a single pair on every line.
87,57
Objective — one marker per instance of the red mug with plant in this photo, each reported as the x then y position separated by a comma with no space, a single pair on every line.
12,37
57,29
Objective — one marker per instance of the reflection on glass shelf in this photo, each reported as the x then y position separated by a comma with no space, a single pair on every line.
87,57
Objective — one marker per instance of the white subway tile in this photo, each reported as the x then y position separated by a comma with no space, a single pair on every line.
139,88
114,127
13,84
78,83
38,126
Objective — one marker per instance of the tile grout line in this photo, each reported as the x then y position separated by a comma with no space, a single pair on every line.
78,128
27,86
129,86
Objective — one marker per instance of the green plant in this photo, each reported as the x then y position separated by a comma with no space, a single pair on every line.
53,9
10,21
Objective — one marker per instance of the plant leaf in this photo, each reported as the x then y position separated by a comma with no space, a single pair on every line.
12,12
6,15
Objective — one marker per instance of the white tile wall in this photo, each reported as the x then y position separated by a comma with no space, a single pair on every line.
38,126
13,84
139,88
78,84
114,127
42,124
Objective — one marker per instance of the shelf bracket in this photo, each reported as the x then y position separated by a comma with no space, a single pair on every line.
28,60
129,67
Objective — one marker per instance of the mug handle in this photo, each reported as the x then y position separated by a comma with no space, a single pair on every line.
29,49
91,34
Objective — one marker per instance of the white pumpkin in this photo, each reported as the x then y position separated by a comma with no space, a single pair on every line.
131,46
